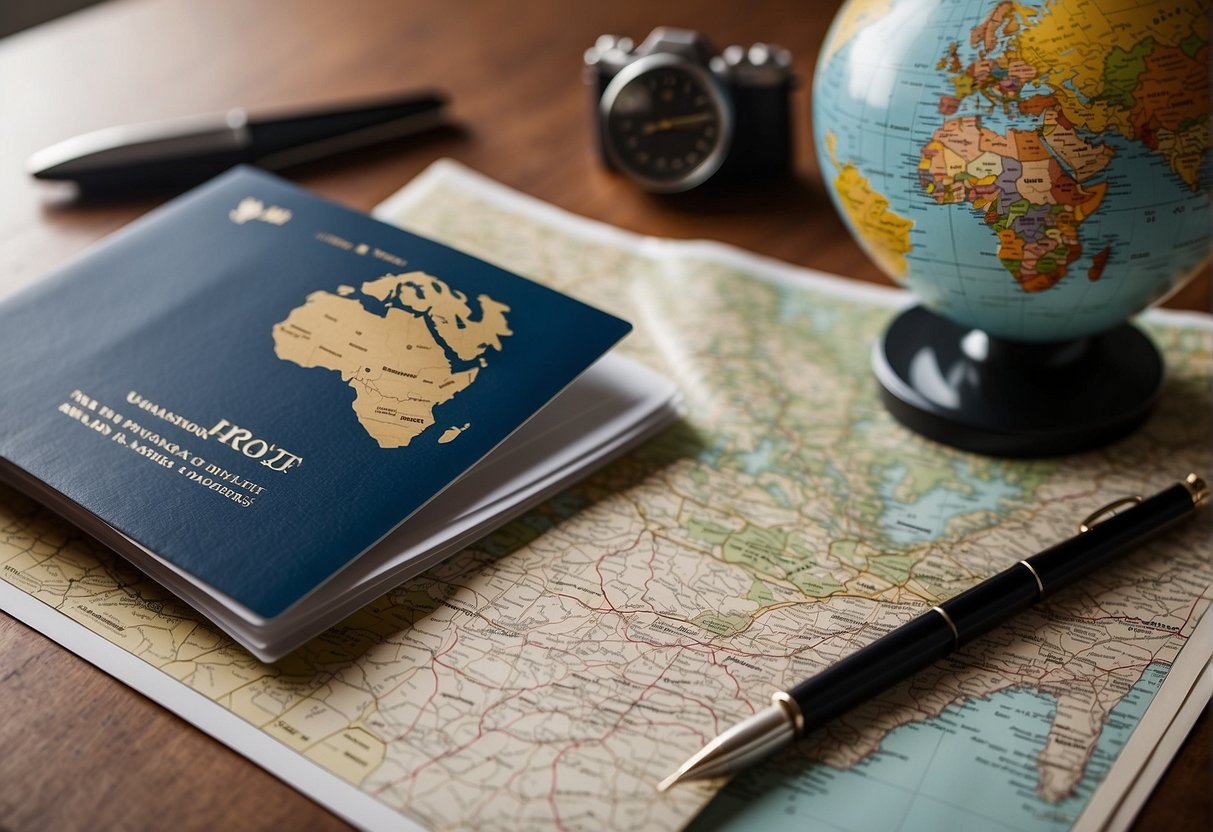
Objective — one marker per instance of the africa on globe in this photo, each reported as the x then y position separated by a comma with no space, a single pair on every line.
1037,172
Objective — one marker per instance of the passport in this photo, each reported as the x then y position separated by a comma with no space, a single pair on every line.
250,387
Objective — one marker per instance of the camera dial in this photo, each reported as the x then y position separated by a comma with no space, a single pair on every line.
667,122
673,114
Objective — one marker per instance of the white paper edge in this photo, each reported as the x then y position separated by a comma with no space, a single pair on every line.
246,739
1155,741
1164,754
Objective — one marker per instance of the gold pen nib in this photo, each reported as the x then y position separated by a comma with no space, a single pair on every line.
746,742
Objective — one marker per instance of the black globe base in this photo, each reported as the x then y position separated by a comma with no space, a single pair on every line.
970,390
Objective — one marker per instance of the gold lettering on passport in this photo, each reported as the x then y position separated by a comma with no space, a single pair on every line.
242,440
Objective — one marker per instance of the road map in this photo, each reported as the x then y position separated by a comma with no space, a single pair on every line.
552,674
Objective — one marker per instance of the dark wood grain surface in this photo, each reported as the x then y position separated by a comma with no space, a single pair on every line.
79,750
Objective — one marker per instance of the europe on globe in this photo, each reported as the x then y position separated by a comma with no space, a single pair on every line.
1037,172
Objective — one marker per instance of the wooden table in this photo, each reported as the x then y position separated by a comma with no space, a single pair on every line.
78,749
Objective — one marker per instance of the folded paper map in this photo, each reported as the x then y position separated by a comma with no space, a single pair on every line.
553,673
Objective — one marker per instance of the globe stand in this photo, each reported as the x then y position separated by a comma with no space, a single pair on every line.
965,388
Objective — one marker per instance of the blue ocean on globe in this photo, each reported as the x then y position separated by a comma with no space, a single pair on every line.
1036,170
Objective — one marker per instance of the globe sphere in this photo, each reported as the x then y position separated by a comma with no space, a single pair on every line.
1037,170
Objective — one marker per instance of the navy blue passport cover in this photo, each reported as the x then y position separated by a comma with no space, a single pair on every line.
257,384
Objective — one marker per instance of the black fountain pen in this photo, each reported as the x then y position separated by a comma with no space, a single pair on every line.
931,636
185,151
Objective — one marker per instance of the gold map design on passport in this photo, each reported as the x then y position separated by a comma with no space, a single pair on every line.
427,346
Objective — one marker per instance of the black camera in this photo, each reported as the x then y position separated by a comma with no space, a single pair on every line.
673,114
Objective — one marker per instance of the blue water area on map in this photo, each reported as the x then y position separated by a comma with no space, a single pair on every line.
778,495
758,460
926,519
973,767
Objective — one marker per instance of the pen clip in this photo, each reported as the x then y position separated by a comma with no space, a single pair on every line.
1099,515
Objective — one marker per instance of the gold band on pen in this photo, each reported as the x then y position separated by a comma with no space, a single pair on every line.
791,708
1040,587
951,624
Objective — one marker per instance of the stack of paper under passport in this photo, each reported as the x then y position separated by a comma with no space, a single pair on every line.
280,408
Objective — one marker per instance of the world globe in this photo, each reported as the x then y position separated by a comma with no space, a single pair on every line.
1035,170
1036,173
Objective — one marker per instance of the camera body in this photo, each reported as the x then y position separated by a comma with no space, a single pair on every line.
672,113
